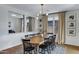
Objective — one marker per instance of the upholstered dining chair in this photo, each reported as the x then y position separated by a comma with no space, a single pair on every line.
27,47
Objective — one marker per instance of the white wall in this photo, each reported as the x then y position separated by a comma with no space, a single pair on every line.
11,40
72,40
4,17
3,21
36,28
8,40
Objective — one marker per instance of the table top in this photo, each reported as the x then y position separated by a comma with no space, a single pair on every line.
37,40
37,43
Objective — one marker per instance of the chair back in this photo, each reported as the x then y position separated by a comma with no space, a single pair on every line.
49,33
53,40
26,43
50,37
26,35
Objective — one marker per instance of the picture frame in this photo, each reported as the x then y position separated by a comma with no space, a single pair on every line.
71,24
71,32
71,17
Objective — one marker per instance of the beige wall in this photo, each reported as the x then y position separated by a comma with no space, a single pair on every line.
45,24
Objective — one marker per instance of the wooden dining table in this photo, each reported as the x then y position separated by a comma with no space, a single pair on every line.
37,40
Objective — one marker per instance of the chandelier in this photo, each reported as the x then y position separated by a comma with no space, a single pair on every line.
42,8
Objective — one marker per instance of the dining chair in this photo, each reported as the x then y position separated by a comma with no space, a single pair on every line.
27,47
52,41
43,48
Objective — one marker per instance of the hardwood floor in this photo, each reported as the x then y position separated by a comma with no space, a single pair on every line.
14,50
59,49
70,49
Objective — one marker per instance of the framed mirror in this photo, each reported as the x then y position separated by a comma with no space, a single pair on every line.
15,22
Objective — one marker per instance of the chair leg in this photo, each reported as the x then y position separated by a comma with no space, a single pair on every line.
33,51
39,50
47,49
24,52
43,51
30,52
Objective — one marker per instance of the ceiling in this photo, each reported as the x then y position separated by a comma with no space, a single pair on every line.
35,9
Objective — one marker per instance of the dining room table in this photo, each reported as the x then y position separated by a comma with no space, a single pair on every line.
37,41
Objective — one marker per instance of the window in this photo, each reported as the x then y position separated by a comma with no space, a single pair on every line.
50,23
